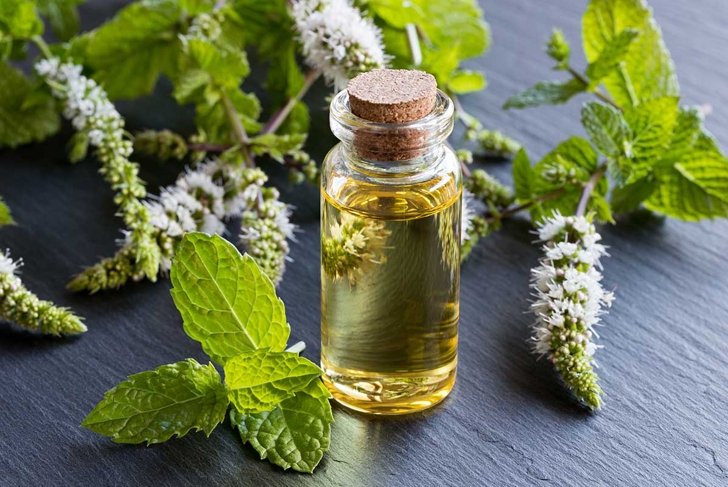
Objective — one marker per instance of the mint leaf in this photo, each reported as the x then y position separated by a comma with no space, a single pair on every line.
210,71
19,19
226,302
694,188
646,70
652,124
600,206
295,434
560,175
155,405
267,26
688,128
223,67
629,197
5,217
194,7
29,115
257,381
465,81
546,93
129,52
522,177
607,128
276,146
610,56
212,120
62,15
453,31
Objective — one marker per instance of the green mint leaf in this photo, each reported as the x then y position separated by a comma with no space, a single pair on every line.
606,128
19,19
652,124
212,120
224,67
276,146
546,93
266,26
29,115
226,302
522,177
5,217
62,15
629,197
194,7
453,31
558,49
599,205
257,381
610,56
295,434
694,188
465,81
155,405
688,128
561,174
129,52
646,70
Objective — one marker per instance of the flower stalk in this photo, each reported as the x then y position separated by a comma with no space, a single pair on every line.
569,302
96,119
202,199
20,306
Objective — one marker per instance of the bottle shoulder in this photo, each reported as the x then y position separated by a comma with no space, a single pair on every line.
394,192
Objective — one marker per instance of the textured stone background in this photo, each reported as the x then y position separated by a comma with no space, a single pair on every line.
507,422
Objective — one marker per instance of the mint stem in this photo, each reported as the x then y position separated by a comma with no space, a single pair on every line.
589,189
280,116
297,347
597,92
513,210
44,49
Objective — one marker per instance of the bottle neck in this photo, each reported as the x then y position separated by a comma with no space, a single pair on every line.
392,148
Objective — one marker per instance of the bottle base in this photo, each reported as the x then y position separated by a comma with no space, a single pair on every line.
389,394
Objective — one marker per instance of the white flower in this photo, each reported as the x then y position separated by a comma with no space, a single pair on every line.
7,265
569,301
337,39
265,228
86,105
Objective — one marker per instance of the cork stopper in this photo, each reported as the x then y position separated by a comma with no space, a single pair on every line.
392,96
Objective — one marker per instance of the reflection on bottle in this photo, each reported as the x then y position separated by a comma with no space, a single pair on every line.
352,244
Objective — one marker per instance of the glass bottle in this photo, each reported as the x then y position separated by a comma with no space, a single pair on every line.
390,259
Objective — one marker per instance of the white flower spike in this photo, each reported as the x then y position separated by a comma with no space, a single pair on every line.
569,302
337,39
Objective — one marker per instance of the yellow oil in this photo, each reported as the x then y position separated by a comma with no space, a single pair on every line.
390,302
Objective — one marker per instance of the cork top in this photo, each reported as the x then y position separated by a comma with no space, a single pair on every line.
392,95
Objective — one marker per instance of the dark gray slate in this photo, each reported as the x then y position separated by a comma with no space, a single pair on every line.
508,421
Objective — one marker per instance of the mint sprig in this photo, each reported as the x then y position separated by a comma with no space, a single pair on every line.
657,153
230,307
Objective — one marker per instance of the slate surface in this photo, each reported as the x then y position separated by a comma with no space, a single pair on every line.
508,422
